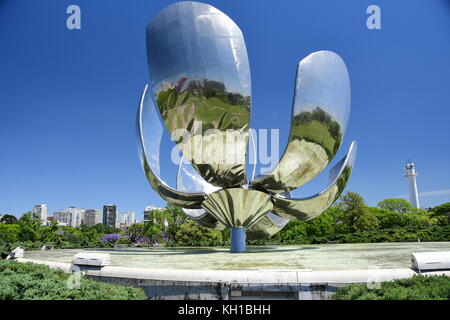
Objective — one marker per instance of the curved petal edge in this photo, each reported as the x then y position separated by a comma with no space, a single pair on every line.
319,117
311,207
183,199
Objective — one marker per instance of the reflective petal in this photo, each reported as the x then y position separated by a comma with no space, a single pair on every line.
149,131
201,82
190,181
237,207
309,208
266,227
319,118
203,218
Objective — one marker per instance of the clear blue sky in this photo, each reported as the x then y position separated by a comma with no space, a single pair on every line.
68,98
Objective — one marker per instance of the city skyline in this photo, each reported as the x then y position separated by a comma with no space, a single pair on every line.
125,218
83,94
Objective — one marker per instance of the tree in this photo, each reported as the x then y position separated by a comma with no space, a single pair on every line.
366,221
155,227
135,231
8,219
9,232
442,214
101,228
153,233
29,224
395,205
175,218
390,219
321,226
353,206
191,233
294,232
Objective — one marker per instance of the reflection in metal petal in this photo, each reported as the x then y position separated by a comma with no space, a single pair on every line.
203,218
269,224
149,131
309,208
201,82
238,207
190,181
319,117
266,227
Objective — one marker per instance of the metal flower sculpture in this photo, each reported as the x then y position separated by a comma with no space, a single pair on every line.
201,88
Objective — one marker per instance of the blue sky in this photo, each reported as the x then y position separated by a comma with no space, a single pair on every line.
68,98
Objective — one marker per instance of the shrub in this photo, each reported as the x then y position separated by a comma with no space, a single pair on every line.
28,281
193,234
9,232
415,288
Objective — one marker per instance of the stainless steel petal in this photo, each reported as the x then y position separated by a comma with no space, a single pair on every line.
201,82
266,227
203,218
309,208
236,207
189,180
319,118
149,131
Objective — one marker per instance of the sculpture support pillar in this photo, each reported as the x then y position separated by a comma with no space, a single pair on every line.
238,238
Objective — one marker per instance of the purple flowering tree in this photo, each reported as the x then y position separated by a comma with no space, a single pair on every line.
111,237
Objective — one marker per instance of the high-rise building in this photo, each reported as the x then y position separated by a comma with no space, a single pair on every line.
70,216
110,216
411,176
131,217
123,218
41,211
147,211
92,217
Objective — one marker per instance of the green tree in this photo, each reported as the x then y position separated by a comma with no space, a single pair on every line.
30,225
321,226
175,217
294,232
442,214
153,233
366,221
155,227
421,218
135,231
8,219
193,234
390,219
101,229
9,232
354,207
395,205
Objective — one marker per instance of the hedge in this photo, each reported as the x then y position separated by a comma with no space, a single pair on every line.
415,288
28,281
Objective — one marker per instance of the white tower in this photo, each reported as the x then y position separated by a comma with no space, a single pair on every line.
411,175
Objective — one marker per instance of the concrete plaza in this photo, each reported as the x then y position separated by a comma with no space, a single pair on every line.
314,257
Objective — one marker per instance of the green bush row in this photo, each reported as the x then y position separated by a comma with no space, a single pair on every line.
292,236
415,288
28,281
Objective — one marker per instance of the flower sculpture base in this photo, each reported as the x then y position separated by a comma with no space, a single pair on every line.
237,239
238,209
